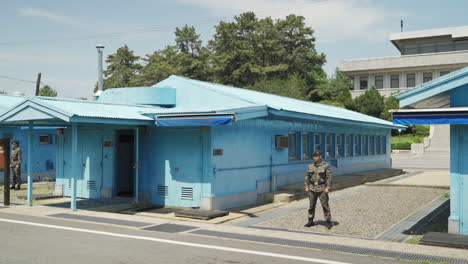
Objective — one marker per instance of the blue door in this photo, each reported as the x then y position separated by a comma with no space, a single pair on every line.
89,157
178,167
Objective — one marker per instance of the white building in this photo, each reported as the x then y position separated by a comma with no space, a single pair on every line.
425,55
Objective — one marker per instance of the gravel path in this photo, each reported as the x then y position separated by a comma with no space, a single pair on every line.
364,214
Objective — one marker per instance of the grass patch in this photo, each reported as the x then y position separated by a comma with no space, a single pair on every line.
447,195
414,240
405,141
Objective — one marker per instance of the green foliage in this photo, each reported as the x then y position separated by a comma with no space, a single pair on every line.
121,69
334,91
421,130
402,145
294,87
390,103
370,103
249,50
47,91
2,92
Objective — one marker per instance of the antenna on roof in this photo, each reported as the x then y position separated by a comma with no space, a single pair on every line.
401,24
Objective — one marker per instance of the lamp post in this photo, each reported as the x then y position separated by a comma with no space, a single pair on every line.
399,135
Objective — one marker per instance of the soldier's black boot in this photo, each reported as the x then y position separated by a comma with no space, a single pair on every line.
329,224
309,224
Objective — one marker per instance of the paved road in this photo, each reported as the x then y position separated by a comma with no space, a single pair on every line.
28,239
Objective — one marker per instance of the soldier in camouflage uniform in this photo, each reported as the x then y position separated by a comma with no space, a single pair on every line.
317,184
16,156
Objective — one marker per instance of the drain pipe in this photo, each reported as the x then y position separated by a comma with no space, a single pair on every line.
100,79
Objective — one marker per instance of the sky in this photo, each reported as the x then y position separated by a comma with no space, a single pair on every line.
57,38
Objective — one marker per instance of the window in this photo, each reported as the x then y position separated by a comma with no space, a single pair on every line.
378,81
348,146
339,146
410,80
442,73
394,81
444,46
409,49
45,139
427,48
384,144
292,150
371,145
461,45
377,145
365,149
306,146
357,144
318,142
363,83
427,76
329,146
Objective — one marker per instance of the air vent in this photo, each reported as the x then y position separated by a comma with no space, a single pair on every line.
281,141
163,191
187,193
91,185
69,183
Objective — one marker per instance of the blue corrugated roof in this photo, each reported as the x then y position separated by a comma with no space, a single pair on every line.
430,88
192,92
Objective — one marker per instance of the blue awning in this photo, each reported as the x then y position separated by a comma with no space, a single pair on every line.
441,116
195,120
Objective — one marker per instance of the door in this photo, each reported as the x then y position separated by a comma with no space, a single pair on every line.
125,174
178,167
89,157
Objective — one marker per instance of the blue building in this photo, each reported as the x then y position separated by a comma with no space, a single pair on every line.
44,140
190,143
445,101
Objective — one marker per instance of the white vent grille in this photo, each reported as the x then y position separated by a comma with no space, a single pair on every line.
163,191
187,193
69,184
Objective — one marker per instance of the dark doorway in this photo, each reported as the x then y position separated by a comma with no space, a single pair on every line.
125,158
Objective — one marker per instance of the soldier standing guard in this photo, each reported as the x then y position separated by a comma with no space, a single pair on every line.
16,157
318,181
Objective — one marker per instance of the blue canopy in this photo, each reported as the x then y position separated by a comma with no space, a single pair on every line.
439,117
195,120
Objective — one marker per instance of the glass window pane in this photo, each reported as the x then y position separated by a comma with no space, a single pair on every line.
339,145
461,45
365,149
442,73
410,80
395,81
384,145
306,146
357,143
329,147
292,146
444,46
318,142
427,76
379,82
348,146
371,145
363,83
427,48
409,49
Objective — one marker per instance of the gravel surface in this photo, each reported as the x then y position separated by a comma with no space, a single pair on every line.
365,214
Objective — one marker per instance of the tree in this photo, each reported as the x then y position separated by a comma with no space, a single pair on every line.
294,87
47,91
335,89
187,58
121,69
390,103
370,103
3,92
249,50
